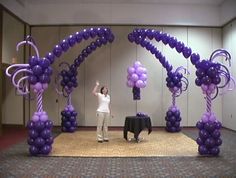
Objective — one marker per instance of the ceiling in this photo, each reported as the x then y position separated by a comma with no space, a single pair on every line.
197,2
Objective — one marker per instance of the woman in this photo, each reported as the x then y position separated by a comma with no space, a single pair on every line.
103,113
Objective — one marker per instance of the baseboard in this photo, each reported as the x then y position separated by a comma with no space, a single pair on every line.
4,126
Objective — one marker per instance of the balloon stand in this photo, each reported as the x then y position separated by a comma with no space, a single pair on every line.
69,117
173,117
40,137
136,93
209,127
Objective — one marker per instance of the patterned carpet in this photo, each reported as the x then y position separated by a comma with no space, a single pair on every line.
15,162
158,143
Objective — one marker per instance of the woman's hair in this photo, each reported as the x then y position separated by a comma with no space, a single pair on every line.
103,88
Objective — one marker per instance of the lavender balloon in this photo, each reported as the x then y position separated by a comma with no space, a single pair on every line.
136,78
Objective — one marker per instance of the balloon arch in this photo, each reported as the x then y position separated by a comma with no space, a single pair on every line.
37,72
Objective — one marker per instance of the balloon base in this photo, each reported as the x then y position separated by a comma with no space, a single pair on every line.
68,119
40,137
173,120
209,137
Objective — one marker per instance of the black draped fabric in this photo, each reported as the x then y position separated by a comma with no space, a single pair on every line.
136,124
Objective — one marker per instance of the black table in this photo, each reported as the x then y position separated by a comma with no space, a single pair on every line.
136,124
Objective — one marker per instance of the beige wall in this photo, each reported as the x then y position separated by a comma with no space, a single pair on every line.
229,99
109,63
12,32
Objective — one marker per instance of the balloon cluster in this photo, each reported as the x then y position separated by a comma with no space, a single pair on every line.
141,114
209,135
210,73
137,78
68,79
40,134
68,119
176,82
137,75
41,72
173,119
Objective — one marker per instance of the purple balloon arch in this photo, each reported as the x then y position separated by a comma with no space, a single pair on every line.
36,74
209,78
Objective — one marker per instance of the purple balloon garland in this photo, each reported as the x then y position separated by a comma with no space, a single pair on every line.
209,76
37,76
67,78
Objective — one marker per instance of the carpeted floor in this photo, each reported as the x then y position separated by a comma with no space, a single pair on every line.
15,162
158,143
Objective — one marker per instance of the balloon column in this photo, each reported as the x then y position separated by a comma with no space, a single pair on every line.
38,77
137,78
67,78
209,74
209,78
37,74
176,83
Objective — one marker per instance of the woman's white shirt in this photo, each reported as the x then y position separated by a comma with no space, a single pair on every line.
103,103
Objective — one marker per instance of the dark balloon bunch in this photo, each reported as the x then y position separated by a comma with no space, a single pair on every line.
136,93
68,79
176,82
141,114
173,119
41,72
68,119
40,135
209,137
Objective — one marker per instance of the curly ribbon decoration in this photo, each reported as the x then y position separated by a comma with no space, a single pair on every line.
22,89
64,91
184,81
229,82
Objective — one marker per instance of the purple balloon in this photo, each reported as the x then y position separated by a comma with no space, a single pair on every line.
37,70
39,142
33,134
46,149
137,64
57,51
51,57
33,61
49,140
46,133
139,70
32,79
131,70
72,40
79,37
143,77
33,150
139,84
134,77
130,83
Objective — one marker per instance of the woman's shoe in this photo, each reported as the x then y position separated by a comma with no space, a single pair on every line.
100,141
106,140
